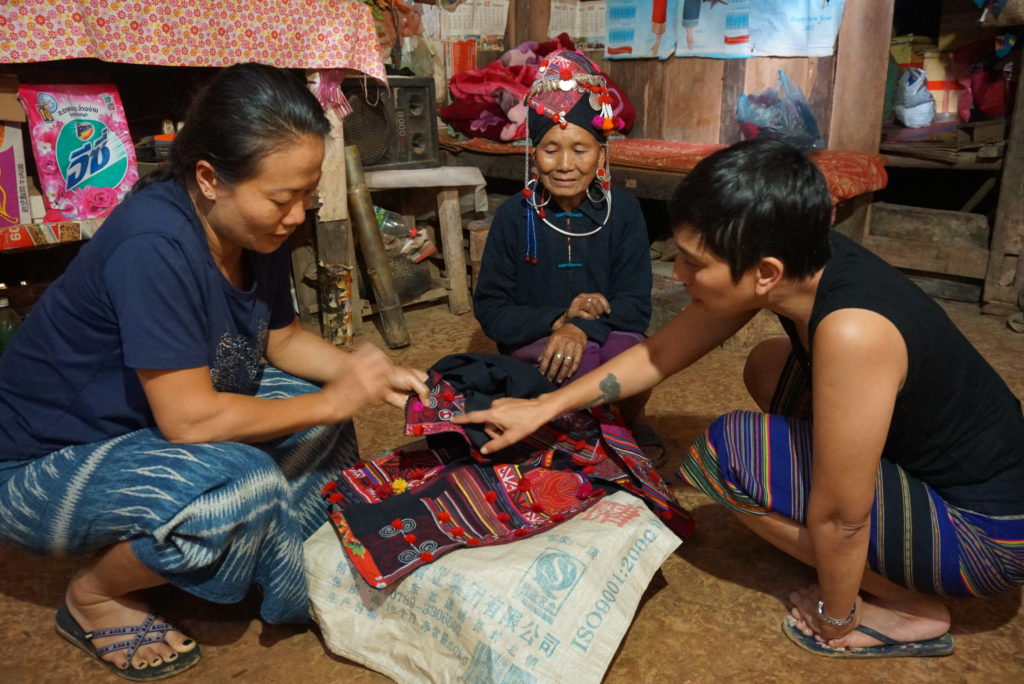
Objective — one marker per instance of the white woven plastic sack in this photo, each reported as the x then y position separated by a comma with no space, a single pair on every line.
548,608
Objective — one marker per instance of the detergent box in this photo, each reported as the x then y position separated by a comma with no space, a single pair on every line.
14,198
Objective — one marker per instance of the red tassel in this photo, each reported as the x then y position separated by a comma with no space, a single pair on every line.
519,532
589,470
448,395
444,516
584,491
666,515
504,517
382,491
491,497
524,485
458,532
396,523
427,557
537,507
533,260
565,73
557,517
607,185
411,538
540,109
527,193
417,429
329,487
473,541
579,445
335,497
601,173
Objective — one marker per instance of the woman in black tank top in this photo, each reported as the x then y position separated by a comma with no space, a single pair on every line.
905,486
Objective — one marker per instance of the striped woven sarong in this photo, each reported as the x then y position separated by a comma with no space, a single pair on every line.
212,519
760,463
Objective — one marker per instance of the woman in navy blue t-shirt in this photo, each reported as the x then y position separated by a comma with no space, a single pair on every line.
140,419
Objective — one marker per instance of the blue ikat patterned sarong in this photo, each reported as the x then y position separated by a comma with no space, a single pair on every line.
212,519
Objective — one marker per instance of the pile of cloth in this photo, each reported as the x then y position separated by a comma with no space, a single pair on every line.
409,507
488,102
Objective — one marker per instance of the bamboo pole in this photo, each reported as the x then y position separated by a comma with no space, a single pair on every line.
371,244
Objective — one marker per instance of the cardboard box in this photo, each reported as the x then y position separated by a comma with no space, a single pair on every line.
10,108
942,82
36,234
15,206
909,50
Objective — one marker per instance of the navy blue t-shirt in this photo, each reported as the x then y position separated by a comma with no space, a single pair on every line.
143,294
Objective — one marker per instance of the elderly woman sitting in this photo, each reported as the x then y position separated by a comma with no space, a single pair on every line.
565,281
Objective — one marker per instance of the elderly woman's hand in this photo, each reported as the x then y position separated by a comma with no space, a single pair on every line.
588,305
561,357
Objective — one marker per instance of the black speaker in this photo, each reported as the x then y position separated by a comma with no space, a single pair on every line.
394,127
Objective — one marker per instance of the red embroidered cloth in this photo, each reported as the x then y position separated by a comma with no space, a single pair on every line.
306,34
848,173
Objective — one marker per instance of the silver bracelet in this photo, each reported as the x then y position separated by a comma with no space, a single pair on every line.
833,621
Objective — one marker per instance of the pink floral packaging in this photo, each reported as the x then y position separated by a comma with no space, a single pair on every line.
83,151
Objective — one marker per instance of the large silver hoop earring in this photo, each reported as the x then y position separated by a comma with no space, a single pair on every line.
532,185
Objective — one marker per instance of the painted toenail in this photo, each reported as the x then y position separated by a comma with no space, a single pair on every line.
187,642
155,662
173,656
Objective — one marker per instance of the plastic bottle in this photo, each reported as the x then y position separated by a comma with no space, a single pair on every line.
391,223
9,322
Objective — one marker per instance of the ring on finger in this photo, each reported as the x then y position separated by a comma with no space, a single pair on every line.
558,355
568,358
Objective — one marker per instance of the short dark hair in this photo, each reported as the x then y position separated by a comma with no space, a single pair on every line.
244,113
755,199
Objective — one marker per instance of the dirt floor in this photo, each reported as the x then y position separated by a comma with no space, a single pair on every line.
712,614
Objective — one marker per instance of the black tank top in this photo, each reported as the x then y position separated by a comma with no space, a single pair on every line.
956,425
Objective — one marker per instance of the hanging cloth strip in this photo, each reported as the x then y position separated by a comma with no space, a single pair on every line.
406,508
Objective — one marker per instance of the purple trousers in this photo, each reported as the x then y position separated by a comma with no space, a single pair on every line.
593,355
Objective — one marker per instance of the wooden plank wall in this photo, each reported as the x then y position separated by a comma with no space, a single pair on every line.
694,99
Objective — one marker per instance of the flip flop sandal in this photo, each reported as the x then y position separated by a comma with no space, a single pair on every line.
146,633
889,648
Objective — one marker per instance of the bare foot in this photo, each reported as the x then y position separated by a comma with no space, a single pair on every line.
92,611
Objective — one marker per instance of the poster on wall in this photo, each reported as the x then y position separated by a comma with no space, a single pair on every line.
582,20
795,28
715,28
641,28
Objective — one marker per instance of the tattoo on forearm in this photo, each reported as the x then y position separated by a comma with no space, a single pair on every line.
610,391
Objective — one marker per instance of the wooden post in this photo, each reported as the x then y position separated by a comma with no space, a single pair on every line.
450,220
396,335
339,306
1004,278
858,91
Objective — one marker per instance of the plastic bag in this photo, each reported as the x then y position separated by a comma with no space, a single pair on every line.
915,105
83,151
781,113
